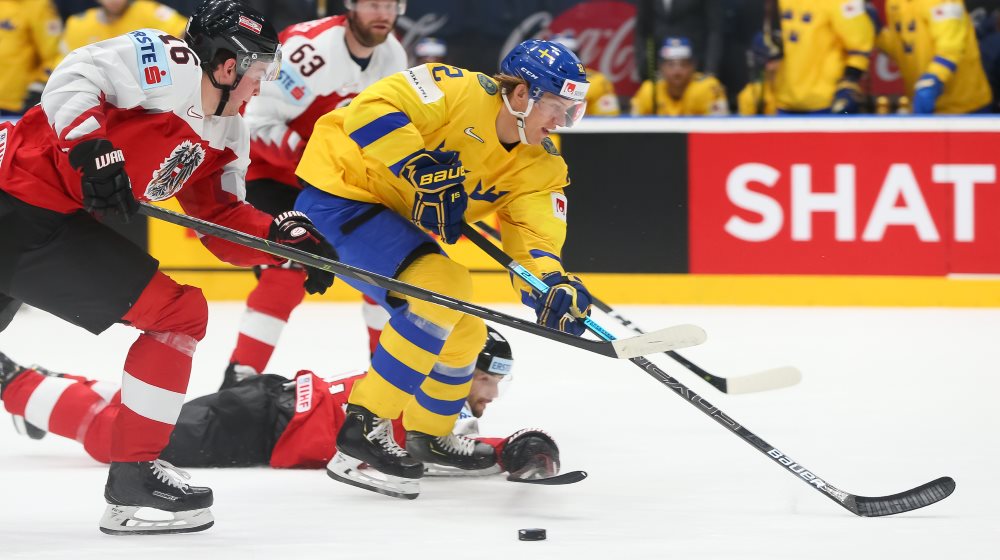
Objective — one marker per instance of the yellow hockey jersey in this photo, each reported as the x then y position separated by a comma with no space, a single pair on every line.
601,98
29,47
757,98
937,36
92,25
355,152
703,96
820,38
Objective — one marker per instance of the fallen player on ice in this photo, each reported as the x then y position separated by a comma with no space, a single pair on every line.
267,419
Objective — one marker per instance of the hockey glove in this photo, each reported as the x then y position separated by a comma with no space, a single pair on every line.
848,98
33,96
529,453
104,184
440,202
566,301
295,230
925,93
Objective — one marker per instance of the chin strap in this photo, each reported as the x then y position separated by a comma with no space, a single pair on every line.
226,90
519,115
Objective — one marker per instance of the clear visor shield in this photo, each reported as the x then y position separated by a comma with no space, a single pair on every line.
261,66
565,112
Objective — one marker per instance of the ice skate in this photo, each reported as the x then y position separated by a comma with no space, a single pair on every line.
151,497
10,370
452,450
365,440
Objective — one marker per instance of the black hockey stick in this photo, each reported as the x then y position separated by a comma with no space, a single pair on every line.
775,378
571,477
864,506
679,336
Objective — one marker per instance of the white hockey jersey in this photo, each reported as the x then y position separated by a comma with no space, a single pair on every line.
318,75
142,91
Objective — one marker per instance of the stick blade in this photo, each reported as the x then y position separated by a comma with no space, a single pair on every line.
571,477
915,498
767,380
670,338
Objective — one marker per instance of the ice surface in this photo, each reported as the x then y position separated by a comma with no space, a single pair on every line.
890,399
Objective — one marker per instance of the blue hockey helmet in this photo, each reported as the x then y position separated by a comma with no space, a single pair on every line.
430,47
547,67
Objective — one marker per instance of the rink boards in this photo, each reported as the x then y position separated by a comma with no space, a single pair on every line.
755,211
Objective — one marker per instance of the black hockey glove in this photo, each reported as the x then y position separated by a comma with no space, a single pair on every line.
105,185
530,453
295,230
566,301
440,202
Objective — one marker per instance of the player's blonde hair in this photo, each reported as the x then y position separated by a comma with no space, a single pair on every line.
507,82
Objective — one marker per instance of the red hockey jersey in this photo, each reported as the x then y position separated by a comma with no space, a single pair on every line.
317,76
142,91
309,440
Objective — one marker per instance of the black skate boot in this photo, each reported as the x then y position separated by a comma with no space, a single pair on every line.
364,444
9,371
236,373
158,485
452,450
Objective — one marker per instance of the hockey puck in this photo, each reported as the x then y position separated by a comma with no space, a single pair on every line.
531,534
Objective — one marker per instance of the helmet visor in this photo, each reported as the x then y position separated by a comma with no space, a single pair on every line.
261,66
565,111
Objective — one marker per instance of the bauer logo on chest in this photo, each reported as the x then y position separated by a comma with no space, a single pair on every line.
179,166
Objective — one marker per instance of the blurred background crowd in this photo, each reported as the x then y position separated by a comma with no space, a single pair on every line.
644,57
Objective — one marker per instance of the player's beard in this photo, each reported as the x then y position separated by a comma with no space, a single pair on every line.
366,35
477,408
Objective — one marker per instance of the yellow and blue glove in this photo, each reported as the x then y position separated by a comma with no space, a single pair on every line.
848,98
566,301
925,93
441,201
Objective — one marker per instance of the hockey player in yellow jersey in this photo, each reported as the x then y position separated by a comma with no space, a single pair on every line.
682,92
602,101
29,49
934,44
432,147
112,18
757,97
826,45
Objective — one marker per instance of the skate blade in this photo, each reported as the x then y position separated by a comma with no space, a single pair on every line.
436,470
346,469
136,520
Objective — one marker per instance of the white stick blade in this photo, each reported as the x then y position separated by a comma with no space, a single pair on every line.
670,338
767,380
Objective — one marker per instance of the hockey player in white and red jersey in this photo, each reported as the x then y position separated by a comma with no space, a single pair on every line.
328,62
142,116
267,419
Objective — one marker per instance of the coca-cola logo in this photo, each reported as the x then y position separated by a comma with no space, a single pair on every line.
605,33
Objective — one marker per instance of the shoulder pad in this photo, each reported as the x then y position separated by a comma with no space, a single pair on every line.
549,146
488,84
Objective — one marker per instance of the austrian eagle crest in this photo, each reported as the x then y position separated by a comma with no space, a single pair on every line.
175,170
